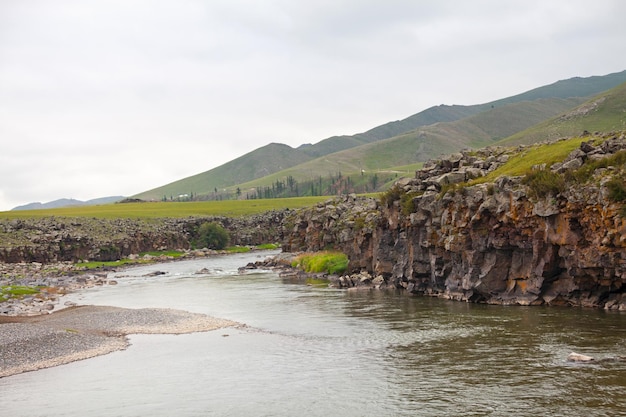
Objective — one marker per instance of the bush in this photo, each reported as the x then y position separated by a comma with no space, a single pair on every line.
617,190
395,193
544,183
212,235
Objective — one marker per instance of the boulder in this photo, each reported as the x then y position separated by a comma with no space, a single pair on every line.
577,357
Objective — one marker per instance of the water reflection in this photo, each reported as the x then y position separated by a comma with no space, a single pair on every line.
316,351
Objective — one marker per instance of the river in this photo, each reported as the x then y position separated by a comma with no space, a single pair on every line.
315,351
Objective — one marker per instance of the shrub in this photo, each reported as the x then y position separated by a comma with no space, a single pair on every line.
395,193
617,189
212,235
584,173
543,183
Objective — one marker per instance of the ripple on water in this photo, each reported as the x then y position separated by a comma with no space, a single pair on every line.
319,352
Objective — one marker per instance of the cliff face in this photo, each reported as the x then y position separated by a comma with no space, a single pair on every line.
488,242
54,239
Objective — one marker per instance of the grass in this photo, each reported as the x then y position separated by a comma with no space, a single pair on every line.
585,172
16,291
523,162
227,208
329,262
543,182
605,113
171,254
268,246
110,264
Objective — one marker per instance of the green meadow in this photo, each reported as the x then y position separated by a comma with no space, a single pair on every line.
227,208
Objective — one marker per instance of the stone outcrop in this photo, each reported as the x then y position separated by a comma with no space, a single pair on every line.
490,242
56,239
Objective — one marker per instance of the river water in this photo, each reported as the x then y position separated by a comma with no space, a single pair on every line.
314,351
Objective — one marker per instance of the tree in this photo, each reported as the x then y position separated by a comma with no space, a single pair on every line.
374,181
212,235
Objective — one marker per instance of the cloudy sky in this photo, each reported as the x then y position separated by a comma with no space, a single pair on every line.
115,97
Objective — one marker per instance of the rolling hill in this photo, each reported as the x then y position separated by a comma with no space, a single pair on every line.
604,113
437,130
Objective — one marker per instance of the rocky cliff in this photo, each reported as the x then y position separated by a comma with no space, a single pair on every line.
54,239
507,240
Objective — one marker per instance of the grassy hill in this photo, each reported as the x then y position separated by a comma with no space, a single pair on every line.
603,113
256,164
434,131
564,89
427,142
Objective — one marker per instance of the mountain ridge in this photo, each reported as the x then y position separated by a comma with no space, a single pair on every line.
205,183
67,202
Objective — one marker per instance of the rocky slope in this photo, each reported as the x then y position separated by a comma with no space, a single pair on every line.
56,239
497,242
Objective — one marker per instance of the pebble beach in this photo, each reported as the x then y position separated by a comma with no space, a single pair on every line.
41,331
82,332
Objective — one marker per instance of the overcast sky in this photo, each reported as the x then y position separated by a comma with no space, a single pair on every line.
115,97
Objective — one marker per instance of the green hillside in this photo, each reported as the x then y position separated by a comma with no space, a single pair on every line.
425,143
573,87
256,164
603,113
434,131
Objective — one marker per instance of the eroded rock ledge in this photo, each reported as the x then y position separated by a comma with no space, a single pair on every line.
56,239
489,242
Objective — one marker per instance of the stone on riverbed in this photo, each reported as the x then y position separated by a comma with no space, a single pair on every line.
577,357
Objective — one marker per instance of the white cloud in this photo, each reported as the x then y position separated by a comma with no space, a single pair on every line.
101,98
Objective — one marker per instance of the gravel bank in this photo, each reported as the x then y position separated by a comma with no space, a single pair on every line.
31,343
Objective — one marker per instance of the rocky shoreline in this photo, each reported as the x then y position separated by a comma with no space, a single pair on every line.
496,242
59,278
37,331
77,333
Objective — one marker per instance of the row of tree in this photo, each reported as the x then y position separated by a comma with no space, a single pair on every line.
334,184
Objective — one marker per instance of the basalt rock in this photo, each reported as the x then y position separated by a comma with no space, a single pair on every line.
57,239
489,243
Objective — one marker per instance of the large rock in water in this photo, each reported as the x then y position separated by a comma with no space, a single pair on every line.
577,357
489,243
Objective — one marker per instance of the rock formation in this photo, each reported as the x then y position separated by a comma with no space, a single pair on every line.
490,242
56,239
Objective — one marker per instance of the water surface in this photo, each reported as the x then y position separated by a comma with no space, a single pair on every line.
315,351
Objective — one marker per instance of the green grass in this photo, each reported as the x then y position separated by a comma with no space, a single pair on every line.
322,262
237,249
111,264
16,291
603,113
523,162
543,182
268,246
227,208
170,253
246,249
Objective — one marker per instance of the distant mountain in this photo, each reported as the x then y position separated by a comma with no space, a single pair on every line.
68,202
605,112
573,87
256,164
428,142
436,130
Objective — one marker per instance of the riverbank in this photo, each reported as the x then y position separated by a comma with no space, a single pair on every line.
51,281
77,333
